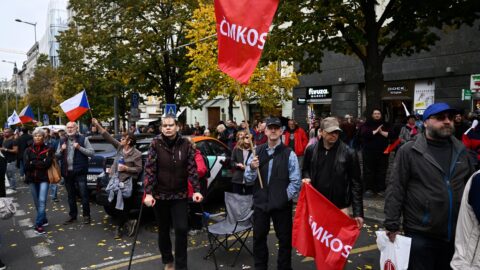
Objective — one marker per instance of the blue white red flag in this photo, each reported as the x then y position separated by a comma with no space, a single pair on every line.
76,106
26,115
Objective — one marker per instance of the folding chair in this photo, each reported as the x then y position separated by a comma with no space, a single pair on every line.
237,226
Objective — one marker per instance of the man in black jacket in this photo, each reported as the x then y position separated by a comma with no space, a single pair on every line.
170,165
426,187
280,175
333,169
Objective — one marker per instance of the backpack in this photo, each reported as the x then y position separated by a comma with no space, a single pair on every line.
7,209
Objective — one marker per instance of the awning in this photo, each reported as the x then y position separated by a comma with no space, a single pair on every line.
146,121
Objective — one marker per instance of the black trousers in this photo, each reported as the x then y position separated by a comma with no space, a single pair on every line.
282,223
375,164
172,212
3,171
430,254
121,216
77,183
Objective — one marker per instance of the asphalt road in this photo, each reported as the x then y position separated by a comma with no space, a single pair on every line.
89,247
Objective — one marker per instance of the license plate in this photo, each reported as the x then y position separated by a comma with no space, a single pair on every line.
92,177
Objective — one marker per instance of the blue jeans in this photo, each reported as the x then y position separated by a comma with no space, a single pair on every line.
22,167
39,194
12,179
71,182
54,189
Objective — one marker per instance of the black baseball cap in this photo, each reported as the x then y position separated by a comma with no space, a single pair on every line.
273,121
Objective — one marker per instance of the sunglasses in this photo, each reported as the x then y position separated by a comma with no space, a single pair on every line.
443,116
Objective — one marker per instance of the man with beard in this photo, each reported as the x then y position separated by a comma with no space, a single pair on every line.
374,135
426,186
74,151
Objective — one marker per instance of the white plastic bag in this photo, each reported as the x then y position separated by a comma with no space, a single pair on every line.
393,255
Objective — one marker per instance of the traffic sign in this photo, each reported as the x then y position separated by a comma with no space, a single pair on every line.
135,100
466,94
170,109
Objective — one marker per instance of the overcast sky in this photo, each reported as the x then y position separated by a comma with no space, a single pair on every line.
15,36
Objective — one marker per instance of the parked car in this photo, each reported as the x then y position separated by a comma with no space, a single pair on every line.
219,181
104,153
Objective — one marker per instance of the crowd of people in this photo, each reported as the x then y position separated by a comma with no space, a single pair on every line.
432,183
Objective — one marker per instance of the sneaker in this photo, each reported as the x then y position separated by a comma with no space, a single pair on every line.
10,191
69,221
2,266
131,226
45,223
381,194
193,232
39,230
86,220
55,200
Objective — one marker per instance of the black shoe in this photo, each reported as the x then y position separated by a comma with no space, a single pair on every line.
56,200
86,220
2,266
368,194
70,221
118,232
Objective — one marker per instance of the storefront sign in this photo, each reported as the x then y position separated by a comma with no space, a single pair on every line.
466,94
397,90
424,95
319,92
475,82
301,101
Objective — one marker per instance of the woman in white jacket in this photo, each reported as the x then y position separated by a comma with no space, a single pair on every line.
467,238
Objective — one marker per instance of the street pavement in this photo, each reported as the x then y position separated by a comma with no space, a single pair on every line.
89,247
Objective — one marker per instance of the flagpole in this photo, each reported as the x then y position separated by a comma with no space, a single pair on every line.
88,102
248,132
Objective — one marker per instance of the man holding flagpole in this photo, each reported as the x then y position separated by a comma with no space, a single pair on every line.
74,151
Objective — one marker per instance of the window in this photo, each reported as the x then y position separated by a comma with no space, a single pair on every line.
204,148
218,149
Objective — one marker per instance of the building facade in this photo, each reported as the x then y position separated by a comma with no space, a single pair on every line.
439,75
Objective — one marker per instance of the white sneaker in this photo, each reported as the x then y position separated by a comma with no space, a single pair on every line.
10,191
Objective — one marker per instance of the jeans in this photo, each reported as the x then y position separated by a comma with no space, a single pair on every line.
12,179
70,183
21,167
282,223
166,213
39,194
54,189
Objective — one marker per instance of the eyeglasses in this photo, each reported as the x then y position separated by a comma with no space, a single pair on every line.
443,116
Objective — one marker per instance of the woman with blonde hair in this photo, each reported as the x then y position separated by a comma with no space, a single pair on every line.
241,153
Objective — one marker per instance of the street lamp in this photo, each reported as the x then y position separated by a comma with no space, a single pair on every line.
30,23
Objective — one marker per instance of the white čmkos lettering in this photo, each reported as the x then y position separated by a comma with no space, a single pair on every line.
245,35
326,238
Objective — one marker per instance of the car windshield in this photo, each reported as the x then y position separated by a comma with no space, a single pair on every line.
101,147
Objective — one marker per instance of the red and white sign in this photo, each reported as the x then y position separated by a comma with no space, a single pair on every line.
322,231
242,29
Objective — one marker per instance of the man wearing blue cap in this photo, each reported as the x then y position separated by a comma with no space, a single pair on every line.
426,187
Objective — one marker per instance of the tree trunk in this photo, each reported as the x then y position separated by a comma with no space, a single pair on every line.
373,83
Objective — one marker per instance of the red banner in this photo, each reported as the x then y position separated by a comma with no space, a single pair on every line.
322,231
242,29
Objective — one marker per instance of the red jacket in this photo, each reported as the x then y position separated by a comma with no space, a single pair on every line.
201,171
301,140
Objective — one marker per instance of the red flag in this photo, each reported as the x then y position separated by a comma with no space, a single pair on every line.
242,28
322,231
392,146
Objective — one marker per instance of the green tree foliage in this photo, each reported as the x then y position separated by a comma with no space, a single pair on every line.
41,86
113,48
267,86
304,29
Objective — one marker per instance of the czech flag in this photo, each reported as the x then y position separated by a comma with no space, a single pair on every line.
76,106
26,115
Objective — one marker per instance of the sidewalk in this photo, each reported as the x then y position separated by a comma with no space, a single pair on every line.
373,208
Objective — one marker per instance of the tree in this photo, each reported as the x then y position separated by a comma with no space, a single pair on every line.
42,85
304,29
267,85
117,47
